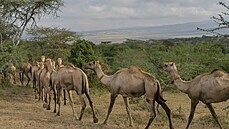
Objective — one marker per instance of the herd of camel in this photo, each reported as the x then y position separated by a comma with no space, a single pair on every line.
212,87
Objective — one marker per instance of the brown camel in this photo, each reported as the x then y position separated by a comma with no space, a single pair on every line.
72,78
131,82
208,88
44,82
25,69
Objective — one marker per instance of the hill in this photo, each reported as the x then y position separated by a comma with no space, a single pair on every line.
150,32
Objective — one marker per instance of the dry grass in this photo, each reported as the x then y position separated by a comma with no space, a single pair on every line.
19,110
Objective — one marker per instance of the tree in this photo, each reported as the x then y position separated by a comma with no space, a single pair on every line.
21,13
221,20
82,52
53,35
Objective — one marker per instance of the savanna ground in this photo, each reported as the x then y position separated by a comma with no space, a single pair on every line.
20,110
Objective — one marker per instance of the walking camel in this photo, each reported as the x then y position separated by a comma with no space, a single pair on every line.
208,88
10,72
71,78
131,82
44,82
35,67
25,68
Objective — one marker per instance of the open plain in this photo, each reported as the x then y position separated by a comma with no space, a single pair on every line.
20,110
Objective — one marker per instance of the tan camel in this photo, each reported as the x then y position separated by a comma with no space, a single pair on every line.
73,79
131,82
25,68
36,69
58,66
44,82
11,72
208,88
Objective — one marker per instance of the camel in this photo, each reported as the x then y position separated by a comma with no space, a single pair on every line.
131,82
71,78
25,68
36,70
10,71
58,66
44,82
208,88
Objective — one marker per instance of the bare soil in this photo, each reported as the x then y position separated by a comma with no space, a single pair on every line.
20,110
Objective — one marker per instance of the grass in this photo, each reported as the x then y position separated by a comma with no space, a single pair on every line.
20,110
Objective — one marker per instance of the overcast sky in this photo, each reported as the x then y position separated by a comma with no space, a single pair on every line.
84,15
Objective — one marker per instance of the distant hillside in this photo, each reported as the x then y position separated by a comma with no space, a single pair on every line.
146,33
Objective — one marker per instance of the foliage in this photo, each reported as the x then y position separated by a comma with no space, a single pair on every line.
53,35
191,59
21,13
82,52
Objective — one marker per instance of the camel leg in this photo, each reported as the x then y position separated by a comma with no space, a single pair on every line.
21,76
92,107
54,98
82,101
59,90
72,105
157,107
28,79
153,113
14,77
112,101
167,110
35,88
213,114
49,95
128,110
64,97
193,108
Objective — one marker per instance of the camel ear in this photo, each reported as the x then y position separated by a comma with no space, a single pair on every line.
171,64
97,62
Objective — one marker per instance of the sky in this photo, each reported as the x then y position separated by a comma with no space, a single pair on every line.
88,15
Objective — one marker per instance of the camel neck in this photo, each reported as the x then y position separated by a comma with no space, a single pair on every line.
105,79
182,85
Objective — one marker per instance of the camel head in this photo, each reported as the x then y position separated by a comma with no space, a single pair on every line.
59,61
93,65
42,58
41,65
168,66
171,68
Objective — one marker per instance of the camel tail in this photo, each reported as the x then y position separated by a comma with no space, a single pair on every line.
84,84
158,94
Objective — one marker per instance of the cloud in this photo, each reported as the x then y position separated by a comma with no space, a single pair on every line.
80,15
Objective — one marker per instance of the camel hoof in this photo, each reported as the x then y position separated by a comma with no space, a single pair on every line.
96,120
104,123
44,105
58,114
54,111
36,97
48,108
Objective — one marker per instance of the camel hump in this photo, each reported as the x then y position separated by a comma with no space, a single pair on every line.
71,66
139,72
218,72
134,69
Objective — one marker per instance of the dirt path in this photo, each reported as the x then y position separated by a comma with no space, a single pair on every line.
19,110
